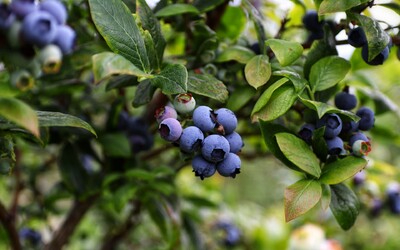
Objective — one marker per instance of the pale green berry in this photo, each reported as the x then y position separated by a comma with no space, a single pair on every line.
184,103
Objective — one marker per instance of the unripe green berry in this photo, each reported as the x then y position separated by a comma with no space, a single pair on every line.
361,148
184,103
50,58
22,80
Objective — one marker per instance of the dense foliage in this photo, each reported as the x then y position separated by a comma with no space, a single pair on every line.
114,114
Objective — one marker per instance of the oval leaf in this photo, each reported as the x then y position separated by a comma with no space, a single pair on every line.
323,108
20,113
258,71
177,9
236,53
301,197
342,169
108,64
116,145
326,196
207,85
332,6
117,26
286,52
344,205
298,152
327,72
172,79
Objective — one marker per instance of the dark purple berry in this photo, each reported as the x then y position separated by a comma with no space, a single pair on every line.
22,8
255,47
164,113
170,129
306,132
230,166
356,37
202,167
376,207
393,197
332,123
311,22
204,118
65,39
227,119
231,235
379,59
359,178
345,101
235,142
335,146
356,137
55,8
348,127
39,28
191,139
30,235
367,118
6,16
215,148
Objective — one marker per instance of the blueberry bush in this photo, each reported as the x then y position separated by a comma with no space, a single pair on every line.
197,124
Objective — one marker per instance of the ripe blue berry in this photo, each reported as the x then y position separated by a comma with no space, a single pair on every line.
311,22
170,129
231,233
55,8
39,28
356,37
227,119
6,16
215,148
202,167
184,103
164,113
22,8
361,147
356,137
393,196
345,101
30,235
204,118
255,47
235,142
306,132
335,146
367,118
359,178
332,123
191,139
229,167
65,39
379,59
348,127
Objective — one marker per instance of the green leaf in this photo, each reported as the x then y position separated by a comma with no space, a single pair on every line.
393,6
332,6
207,85
377,37
298,81
108,64
299,153
323,108
342,169
258,71
278,104
172,79
236,53
319,144
327,72
301,197
116,145
266,95
159,216
319,49
117,26
177,9
326,196
208,5
240,97
143,94
56,119
268,132
232,23
6,89
150,22
286,52
344,205
20,113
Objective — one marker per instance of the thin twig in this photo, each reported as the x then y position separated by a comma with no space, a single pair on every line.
8,223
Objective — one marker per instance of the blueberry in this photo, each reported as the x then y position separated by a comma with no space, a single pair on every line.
255,47
184,103
55,8
359,178
379,59
306,132
164,113
345,101
227,119
335,145
229,167
123,120
232,233
22,8
376,207
138,134
65,39
202,167
140,142
311,22
235,142
348,127
50,58
332,123
30,235
356,37
170,129
393,197
356,137
6,16
215,148
367,118
204,118
191,139
361,147
39,28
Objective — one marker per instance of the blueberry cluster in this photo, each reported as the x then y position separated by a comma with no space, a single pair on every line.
36,30
211,139
357,38
30,237
342,135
